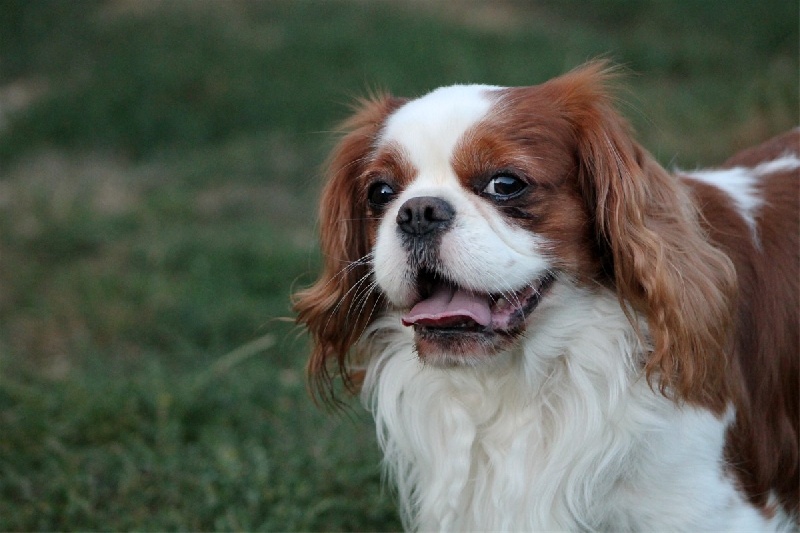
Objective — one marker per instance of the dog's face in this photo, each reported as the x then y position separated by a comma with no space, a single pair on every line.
473,217
465,213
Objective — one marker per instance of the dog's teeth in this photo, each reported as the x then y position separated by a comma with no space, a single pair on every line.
501,303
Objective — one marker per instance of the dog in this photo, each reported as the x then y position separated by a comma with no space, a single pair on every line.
553,332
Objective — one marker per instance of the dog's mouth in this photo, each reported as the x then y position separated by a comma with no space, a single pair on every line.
447,317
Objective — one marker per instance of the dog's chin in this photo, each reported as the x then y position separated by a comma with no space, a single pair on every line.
451,348
458,327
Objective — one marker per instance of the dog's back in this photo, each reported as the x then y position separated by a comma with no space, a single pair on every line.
763,241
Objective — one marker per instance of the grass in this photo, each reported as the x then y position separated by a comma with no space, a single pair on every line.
158,174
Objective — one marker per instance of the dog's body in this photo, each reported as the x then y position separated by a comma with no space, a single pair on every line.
556,333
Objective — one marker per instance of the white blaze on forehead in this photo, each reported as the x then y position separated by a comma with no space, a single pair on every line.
429,128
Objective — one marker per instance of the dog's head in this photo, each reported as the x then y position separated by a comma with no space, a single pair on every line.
462,211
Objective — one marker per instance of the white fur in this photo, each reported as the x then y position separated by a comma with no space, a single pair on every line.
561,432
430,127
741,184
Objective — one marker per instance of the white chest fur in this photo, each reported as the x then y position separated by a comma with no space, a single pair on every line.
562,434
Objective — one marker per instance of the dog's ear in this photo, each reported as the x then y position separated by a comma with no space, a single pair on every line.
650,235
339,306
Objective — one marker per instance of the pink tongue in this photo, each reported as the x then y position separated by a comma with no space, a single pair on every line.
449,306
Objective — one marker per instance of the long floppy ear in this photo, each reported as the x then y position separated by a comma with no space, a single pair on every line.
338,307
650,234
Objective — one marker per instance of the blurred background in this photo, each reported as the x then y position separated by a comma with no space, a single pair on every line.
159,172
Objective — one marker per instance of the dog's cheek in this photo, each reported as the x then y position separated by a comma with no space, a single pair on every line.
494,254
391,265
373,223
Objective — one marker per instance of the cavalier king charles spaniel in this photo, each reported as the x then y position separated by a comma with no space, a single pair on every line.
552,331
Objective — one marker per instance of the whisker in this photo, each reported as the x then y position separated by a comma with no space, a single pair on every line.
366,260
376,300
355,286
372,311
362,297
510,294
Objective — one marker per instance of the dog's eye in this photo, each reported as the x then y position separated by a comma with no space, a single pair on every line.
380,194
504,187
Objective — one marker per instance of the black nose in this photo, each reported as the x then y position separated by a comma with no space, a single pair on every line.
425,214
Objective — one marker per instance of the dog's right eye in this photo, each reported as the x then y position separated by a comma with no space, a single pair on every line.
380,193
504,186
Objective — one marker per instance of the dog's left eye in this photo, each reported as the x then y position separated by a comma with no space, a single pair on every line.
380,194
504,187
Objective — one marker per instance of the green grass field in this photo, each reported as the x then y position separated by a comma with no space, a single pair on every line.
159,169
